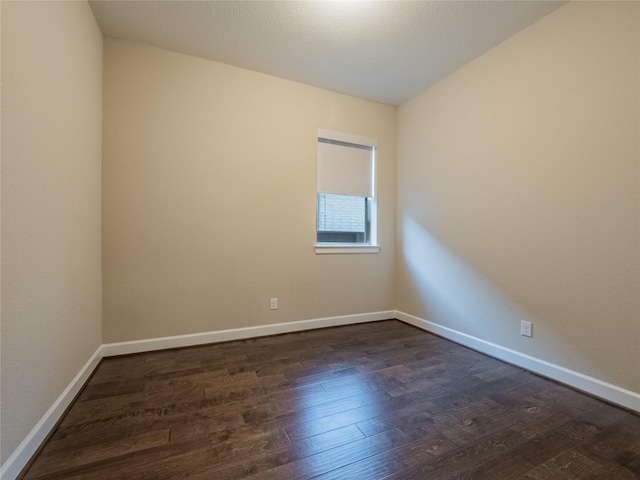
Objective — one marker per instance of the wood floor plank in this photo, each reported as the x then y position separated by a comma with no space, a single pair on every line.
569,464
331,439
379,400
375,466
314,465
50,461
457,462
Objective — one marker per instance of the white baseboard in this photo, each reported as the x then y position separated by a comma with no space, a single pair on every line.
21,456
593,386
136,346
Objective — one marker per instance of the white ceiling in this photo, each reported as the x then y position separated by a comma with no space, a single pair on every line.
387,51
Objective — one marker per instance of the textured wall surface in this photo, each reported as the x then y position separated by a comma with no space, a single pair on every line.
209,198
518,194
51,149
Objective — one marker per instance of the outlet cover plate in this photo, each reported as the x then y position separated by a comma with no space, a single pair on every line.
526,328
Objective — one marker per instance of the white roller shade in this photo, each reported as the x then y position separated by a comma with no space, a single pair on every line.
345,169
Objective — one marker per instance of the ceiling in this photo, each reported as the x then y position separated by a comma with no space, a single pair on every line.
386,51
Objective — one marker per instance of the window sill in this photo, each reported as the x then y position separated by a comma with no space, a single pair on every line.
324,249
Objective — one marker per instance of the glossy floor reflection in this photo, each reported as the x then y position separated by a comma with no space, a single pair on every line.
366,402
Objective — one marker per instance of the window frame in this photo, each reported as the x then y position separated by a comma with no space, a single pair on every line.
371,245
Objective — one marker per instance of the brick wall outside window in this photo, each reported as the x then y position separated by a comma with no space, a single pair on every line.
341,213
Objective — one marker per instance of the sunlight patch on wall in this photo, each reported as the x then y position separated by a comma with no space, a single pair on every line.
454,294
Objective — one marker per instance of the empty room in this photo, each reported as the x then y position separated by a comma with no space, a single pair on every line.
320,239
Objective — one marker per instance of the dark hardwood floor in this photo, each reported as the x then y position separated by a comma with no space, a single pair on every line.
370,401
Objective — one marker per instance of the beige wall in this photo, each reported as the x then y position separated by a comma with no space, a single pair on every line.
51,140
518,194
209,181
518,198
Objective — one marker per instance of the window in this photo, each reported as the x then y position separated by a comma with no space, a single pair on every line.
346,203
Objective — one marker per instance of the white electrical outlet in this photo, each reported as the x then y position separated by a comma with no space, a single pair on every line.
274,304
525,328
